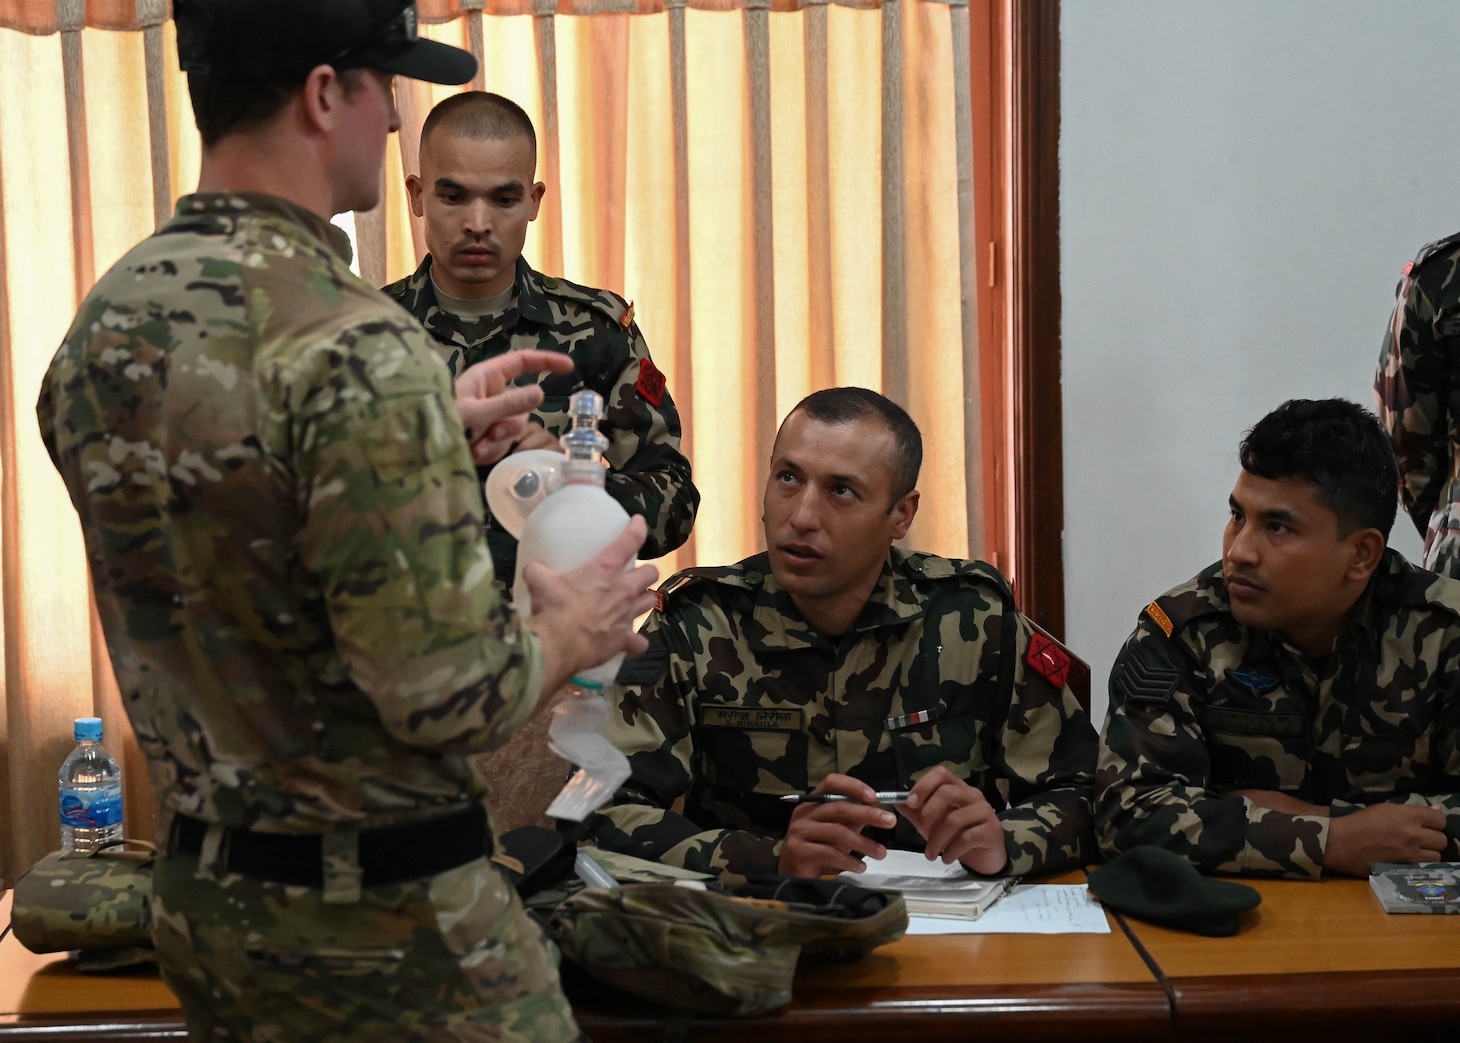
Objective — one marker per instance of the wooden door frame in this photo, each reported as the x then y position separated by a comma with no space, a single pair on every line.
1016,110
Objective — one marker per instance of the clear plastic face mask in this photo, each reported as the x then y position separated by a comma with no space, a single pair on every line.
576,735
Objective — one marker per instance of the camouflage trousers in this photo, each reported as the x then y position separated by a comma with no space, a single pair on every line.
450,957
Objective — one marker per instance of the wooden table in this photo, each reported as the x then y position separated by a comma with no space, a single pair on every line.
1319,961
40,996
950,987
1313,962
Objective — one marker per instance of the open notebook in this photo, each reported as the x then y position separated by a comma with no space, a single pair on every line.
931,888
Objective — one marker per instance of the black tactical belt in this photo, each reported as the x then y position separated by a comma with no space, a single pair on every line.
388,854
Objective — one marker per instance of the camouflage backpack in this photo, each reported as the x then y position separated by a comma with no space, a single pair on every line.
728,951
98,904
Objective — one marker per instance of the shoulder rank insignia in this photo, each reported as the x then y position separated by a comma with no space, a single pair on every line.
1257,684
1147,683
651,382
627,318
1048,659
658,601
1160,618
1408,267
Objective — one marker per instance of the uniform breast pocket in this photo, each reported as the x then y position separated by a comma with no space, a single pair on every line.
1256,749
754,750
953,741
1395,758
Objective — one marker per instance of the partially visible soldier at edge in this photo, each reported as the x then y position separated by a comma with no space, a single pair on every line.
474,291
835,663
287,547
1292,711
1417,389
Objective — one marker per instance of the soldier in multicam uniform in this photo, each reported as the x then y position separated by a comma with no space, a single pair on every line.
480,299
1417,389
1292,710
288,553
833,663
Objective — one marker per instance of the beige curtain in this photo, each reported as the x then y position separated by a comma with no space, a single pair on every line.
783,189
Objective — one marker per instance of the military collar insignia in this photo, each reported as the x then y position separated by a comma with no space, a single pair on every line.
1257,684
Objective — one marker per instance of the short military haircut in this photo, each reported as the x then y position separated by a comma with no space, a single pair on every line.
1337,446
481,116
223,106
844,405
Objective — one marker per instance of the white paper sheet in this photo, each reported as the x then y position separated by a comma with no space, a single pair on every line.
1027,909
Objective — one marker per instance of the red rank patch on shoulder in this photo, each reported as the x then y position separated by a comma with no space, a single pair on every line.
1408,267
651,382
1048,658
627,318
658,601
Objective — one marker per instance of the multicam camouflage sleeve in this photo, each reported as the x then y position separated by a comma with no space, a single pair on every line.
388,473
1416,394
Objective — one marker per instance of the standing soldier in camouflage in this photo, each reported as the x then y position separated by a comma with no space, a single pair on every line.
1417,389
288,554
833,663
480,299
1292,710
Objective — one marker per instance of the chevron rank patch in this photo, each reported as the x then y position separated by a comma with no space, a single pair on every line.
1048,658
1144,682
1160,618
627,318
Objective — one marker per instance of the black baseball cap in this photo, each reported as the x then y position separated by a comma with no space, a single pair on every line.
283,39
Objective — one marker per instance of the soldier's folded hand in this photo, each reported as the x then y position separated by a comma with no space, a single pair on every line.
828,838
957,822
1384,833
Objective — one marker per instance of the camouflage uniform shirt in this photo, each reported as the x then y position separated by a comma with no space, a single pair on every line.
1201,705
647,473
739,701
284,528
1418,393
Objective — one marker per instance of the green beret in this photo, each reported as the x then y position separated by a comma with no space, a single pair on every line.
1151,883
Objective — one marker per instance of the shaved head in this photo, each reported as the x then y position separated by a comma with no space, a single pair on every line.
479,116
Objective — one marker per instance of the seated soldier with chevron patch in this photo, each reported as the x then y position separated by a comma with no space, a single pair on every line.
1292,711
836,664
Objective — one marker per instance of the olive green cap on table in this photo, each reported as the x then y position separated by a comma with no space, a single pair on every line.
1153,884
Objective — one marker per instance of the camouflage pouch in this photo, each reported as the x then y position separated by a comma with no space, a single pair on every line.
99,904
725,951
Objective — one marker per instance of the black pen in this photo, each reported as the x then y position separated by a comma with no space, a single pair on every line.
886,796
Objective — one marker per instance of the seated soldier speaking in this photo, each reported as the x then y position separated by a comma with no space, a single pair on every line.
1292,710
836,664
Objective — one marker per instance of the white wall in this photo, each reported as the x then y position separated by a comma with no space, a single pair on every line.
1240,182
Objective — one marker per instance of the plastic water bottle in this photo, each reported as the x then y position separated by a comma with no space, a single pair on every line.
576,520
91,792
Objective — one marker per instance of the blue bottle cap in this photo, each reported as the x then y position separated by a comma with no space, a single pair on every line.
88,729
